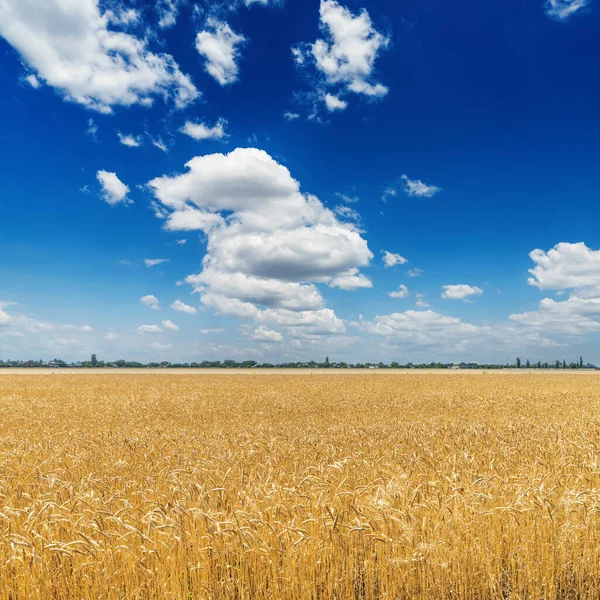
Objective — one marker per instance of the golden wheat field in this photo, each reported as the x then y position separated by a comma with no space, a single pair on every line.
299,487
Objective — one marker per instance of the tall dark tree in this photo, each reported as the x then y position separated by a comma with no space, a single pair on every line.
518,363
94,361
527,364
581,362
564,364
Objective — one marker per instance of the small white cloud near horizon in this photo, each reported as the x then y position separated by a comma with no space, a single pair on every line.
218,44
130,141
114,190
153,262
150,301
211,331
415,187
180,306
200,131
159,346
263,334
391,260
167,324
460,291
562,10
401,293
149,329
111,337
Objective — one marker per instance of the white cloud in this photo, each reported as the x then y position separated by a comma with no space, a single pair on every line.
210,331
347,199
391,260
170,325
129,140
111,337
200,131
153,262
69,44
562,10
415,187
179,306
345,58
421,302
290,116
167,11
268,244
334,103
33,81
158,143
415,272
218,44
401,293
92,129
347,213
181,242
150,301
460,291
113,189
149,329
159,346
262,334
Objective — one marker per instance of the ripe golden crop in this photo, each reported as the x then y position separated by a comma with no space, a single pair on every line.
299,487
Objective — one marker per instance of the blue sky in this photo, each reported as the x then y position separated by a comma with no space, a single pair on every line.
318,136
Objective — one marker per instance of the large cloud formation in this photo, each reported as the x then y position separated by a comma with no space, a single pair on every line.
69,45
268,243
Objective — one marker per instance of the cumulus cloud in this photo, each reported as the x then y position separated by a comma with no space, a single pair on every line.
290,116
170,325
391,260
402,292
268,244
92,64
200,131
219,45
180,306
562,10
421,302
334,103
114,190
460,291
111,337
33,81
158,346
262,334
149,329
150,301
344,58
130,141
210,331
415,187
167,11
153,262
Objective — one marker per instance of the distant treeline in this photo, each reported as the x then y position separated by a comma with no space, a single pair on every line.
94,363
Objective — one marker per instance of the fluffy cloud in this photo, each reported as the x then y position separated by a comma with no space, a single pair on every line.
421,302
268,244
159,346
149,329
262,334
218,44
153,262
572,267
200,131
111,337
93,64
345,57
150,301
290,116
401,293
562,10
129,140
334,103
415,272
113,189
179,306
415,187
391,260
566,266
460,291
170,325
167,11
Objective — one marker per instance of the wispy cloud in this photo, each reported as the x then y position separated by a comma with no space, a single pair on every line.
562,10
153,262
415,187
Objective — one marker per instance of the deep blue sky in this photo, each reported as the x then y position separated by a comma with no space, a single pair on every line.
496,104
